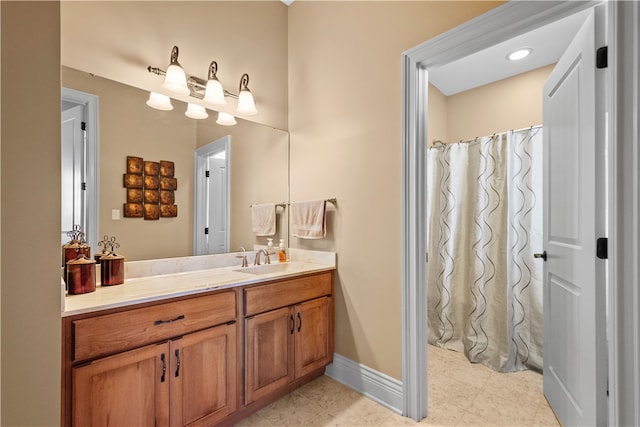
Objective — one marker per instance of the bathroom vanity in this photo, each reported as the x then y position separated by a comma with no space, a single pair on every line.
216,346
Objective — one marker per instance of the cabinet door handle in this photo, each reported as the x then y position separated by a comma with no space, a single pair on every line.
164,367
293,324
160,322
177,353
299,322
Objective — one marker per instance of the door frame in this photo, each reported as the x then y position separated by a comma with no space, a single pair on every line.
498,25
90,103
199,188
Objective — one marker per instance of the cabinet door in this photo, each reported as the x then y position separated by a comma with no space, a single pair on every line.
314,345
269,352
127,389
203,376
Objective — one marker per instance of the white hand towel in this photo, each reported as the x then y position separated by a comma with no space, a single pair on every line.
263,219
308,219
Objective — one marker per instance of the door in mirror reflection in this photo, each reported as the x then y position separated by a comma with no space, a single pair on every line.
73,167
211,198
79,164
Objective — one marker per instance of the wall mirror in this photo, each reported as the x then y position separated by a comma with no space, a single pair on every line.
258,168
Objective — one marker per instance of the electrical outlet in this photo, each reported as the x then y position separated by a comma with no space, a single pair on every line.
115,214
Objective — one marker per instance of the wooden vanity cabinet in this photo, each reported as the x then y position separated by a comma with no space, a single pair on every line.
286,343
187,378
207,360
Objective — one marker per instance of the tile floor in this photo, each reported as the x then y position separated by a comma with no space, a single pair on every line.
460,394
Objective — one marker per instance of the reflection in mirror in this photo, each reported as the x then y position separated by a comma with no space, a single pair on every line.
258,168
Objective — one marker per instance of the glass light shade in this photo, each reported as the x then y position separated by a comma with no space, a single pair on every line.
175,80
196,111
225,119
159,101
246,104
214,94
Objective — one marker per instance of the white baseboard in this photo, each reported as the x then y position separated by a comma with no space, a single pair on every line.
375,385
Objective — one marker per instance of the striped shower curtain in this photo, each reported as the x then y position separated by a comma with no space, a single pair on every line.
484,225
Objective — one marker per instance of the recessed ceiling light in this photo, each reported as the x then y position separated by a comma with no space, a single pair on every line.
519,54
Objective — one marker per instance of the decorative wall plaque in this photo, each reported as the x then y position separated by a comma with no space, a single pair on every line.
168,211
132,210
134,165
150,188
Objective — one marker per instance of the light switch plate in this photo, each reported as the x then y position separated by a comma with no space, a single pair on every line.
115,214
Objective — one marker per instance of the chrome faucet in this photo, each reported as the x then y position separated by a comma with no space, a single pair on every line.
266,254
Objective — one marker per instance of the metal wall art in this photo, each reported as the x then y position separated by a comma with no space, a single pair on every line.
150,188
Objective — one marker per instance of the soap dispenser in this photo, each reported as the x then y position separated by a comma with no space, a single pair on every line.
282,252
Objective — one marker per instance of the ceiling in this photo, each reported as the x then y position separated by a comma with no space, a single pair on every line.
490,65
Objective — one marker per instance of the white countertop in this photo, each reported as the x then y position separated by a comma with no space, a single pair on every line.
148,288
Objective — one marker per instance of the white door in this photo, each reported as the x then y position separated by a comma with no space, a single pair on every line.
217,203
211,204
574,312
73,170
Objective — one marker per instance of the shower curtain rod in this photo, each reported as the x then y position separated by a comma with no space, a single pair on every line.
437,143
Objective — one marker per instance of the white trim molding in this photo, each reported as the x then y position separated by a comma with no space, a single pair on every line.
375,385
624,251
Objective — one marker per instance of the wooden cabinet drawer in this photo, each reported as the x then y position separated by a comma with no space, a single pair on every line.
259,299
111,333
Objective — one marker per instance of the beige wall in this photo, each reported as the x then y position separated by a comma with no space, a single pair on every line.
30,282
512,103
345,81
128,127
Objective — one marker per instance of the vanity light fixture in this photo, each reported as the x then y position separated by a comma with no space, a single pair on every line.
209,91
159,101
226,119
175,79
519,54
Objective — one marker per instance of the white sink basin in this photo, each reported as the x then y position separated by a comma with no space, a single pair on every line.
269,268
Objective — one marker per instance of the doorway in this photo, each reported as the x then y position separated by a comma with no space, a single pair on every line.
80,167
212,198
492,28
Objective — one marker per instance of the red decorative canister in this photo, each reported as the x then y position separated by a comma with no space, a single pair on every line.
81,275
111,269
71,250
75,247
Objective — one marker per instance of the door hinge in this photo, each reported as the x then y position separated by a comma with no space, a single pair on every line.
601,57
206,174
426,257
83,186
602,248
83,125
206,230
